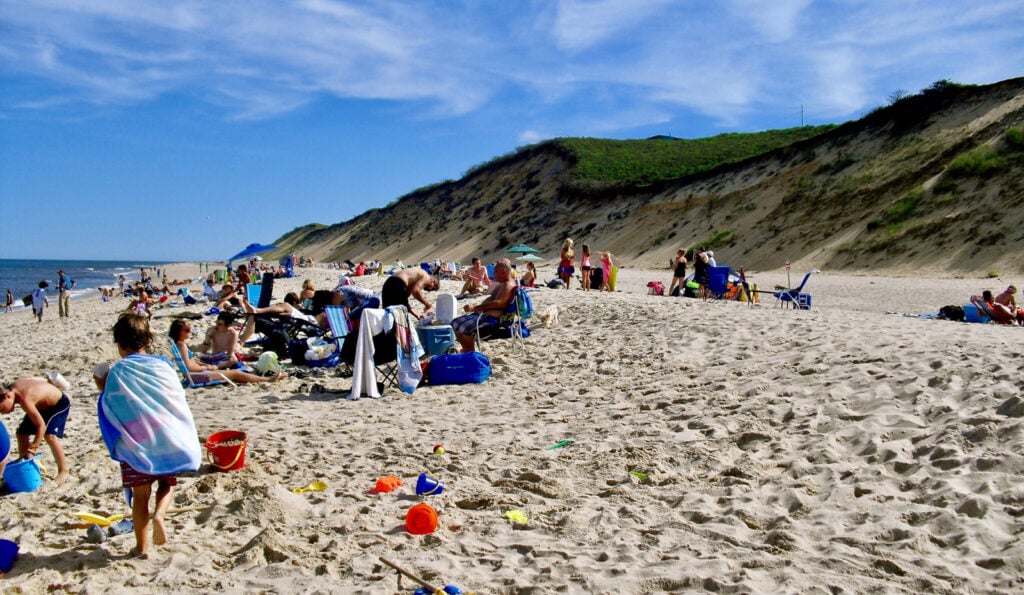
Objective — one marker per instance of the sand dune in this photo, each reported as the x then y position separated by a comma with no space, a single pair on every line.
715,446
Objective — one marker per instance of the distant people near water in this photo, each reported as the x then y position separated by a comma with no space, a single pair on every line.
530,276
476,277
678,272
39,301
406,283
1008,298
64,286
565,262
9,306
998,312
606,268
585,266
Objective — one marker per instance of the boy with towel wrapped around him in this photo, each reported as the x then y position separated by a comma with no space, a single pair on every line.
147,426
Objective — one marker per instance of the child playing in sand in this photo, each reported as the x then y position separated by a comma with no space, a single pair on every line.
46,410
147,426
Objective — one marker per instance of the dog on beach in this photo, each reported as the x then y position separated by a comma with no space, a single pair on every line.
550,317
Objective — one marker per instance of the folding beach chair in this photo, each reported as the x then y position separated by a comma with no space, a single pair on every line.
381,350
190,378
718,283
795,297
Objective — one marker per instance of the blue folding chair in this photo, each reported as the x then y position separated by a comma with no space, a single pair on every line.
795,297
718,283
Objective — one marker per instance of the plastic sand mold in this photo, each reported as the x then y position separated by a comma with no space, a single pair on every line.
516,516
316,486
561,444
102,521
386,484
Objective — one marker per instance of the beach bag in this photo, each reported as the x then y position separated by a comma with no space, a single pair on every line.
459,368
556,284
655,288
955,313
268,363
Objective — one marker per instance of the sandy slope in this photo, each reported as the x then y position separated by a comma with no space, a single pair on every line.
774,451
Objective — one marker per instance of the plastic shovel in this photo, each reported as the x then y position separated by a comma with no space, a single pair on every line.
102,521
314,486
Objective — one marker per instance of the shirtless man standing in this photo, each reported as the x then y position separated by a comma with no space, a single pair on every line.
406,283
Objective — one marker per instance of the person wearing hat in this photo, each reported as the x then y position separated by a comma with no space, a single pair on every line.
39,301
64,286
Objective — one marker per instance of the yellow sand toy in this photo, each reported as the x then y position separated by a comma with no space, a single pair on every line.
316,486
102,521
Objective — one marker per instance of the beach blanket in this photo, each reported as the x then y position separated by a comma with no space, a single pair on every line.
144,417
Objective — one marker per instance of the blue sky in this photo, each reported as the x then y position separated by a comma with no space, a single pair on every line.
186,130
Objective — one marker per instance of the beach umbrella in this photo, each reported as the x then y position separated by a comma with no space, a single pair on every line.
522,249
252,250
529,257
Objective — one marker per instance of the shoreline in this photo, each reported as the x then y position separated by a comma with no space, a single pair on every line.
714,443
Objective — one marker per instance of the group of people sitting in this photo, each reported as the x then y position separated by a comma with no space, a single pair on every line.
1000,308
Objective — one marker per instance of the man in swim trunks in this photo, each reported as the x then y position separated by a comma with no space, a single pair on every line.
486,313
46,411
477,280
412,281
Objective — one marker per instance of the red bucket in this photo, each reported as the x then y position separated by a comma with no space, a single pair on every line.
226,450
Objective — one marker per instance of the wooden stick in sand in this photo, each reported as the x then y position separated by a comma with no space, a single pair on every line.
405,572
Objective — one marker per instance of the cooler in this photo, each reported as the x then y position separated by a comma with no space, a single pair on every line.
436,339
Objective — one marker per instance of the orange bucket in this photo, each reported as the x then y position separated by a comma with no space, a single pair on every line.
226,450
421,519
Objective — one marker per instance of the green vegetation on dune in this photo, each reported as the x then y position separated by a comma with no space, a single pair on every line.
647,161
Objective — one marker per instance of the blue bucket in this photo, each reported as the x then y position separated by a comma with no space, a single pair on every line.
23,475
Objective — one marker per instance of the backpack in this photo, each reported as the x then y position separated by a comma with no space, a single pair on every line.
524,303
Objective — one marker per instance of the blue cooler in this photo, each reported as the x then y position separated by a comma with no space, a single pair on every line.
436,339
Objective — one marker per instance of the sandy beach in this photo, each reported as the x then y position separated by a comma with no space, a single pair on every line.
715,446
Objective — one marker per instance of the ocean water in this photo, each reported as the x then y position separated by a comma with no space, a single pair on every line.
22,276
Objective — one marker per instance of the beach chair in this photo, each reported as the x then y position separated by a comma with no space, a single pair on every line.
382,348
253,292
718,283
795,297
191,379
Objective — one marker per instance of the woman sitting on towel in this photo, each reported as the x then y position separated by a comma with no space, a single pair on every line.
180,331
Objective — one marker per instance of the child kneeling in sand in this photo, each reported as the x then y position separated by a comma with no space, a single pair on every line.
46,410
147,426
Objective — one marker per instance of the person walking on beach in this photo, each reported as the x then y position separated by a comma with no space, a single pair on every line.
9,307
46,410
39,301
64,286
143,391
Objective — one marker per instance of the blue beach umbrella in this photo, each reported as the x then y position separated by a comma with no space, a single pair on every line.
522,249
252,250
529,257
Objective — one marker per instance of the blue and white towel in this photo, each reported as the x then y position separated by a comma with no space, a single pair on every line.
144,417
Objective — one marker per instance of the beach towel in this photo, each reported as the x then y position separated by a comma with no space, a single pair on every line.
409,350
144,417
